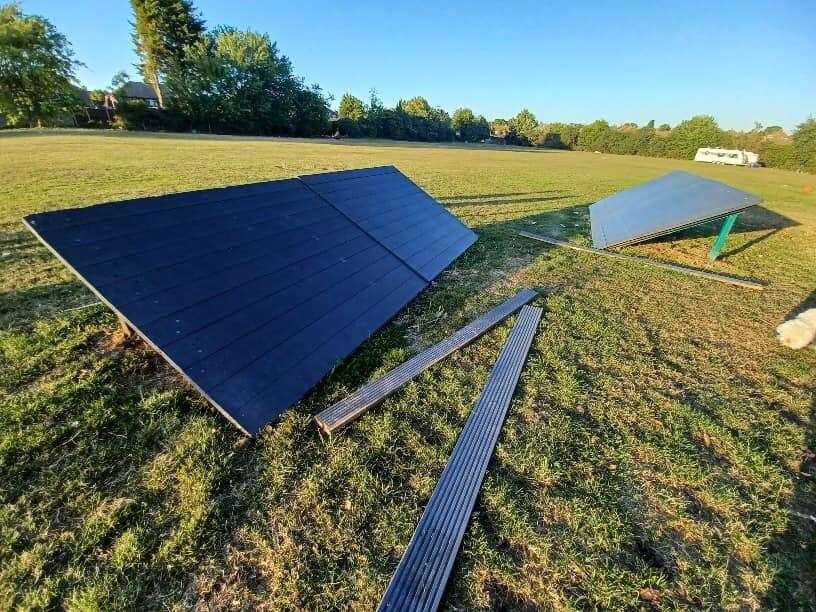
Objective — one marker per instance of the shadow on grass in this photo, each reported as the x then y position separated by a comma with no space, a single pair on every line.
799,539
805,304
565,222
349,142
82,422
795,548
22,308
18,245
504,201
754,219
491,197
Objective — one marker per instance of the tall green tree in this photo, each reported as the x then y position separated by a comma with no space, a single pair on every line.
36,69
560,136
163,29
119,80
439,125
238,81
523,128
461,120
469,127
804,144
417,107
595,136
374,110
413,119
499,128
351,108
310,116
690,135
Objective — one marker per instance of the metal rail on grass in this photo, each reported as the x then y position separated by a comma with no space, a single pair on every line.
352,406
657,264
420,579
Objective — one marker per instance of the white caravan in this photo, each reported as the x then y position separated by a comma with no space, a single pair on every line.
733,157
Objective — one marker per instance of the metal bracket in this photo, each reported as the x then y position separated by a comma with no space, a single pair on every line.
719,243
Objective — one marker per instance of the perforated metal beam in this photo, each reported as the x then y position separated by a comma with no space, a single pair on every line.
352,406
420,579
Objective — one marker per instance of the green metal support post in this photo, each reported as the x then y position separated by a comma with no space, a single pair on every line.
722,236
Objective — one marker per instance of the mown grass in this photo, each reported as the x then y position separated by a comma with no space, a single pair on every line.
658,441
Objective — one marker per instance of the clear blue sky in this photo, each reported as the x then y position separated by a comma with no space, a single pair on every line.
742,61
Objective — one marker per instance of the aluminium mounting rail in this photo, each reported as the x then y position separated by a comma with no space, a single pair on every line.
420,579
353,405
722,278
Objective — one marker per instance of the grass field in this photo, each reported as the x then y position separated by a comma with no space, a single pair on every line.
658,446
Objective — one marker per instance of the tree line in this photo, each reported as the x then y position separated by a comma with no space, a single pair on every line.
220,80
775,148
409,121
413,119
226,80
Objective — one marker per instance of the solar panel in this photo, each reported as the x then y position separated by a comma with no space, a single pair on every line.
664,205
397,213
253,292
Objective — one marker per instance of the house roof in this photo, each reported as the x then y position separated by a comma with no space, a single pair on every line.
136,89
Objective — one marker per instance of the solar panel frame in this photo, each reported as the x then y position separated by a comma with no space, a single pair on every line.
670,203
158,296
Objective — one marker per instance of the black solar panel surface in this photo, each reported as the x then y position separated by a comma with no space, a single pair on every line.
253,292
397,213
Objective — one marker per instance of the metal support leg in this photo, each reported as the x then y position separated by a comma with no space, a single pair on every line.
722,236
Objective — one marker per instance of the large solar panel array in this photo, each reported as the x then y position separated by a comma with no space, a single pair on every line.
255,292
672,202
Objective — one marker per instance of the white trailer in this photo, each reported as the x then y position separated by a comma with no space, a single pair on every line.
732,157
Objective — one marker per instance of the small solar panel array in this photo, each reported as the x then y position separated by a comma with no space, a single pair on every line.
672,202
255,292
